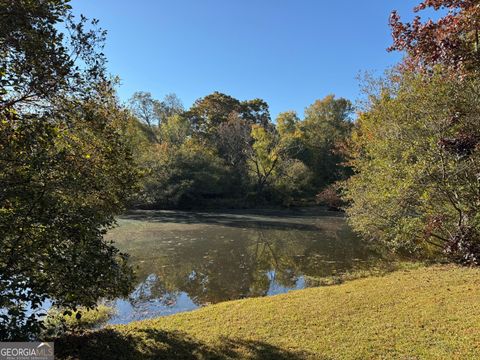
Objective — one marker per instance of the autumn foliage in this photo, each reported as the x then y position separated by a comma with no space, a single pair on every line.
451,41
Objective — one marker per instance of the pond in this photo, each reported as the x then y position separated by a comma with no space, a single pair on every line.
184,260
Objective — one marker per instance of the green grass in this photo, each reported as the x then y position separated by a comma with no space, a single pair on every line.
56,322
375,268
425,313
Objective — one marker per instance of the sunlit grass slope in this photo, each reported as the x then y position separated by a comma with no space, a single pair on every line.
427,313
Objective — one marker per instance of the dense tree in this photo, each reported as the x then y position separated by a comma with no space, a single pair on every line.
265,156
257,160
417,164
451,41
153,113
213,138
270,159
326,126
417,144
147,110
209,112
175,130
256,111
234,144
287,122
183,176
66,166
292,181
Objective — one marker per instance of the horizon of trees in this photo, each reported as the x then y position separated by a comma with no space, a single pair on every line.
223,152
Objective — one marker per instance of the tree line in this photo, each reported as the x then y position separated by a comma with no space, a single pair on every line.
223,152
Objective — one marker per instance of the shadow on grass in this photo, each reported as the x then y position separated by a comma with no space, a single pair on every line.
149,344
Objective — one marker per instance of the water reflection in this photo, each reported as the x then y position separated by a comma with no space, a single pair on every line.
185,260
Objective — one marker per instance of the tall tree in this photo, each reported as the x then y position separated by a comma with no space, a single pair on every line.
269,157
234,143
148,111
326,126
170,105
416,159
417,146
207,113
152,113
287,122
66,166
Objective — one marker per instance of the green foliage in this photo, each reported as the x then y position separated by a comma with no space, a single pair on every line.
37,59
62,186
183,176
266,156
212,110
175,130
154,113
209,112
287,123
66,167
416,146
183,169
59,321
251,160
416,158
326,128
293,181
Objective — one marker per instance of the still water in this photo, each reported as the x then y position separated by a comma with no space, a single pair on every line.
184,260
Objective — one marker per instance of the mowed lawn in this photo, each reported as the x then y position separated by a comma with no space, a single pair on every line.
427,313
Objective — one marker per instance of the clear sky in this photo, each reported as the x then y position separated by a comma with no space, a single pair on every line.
287,52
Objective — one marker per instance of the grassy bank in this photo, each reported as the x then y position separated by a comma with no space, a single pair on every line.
426,313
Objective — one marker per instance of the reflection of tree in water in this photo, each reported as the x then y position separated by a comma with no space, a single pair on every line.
152,288
214,270
226,273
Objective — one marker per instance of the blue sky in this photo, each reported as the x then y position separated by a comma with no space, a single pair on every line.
287,52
